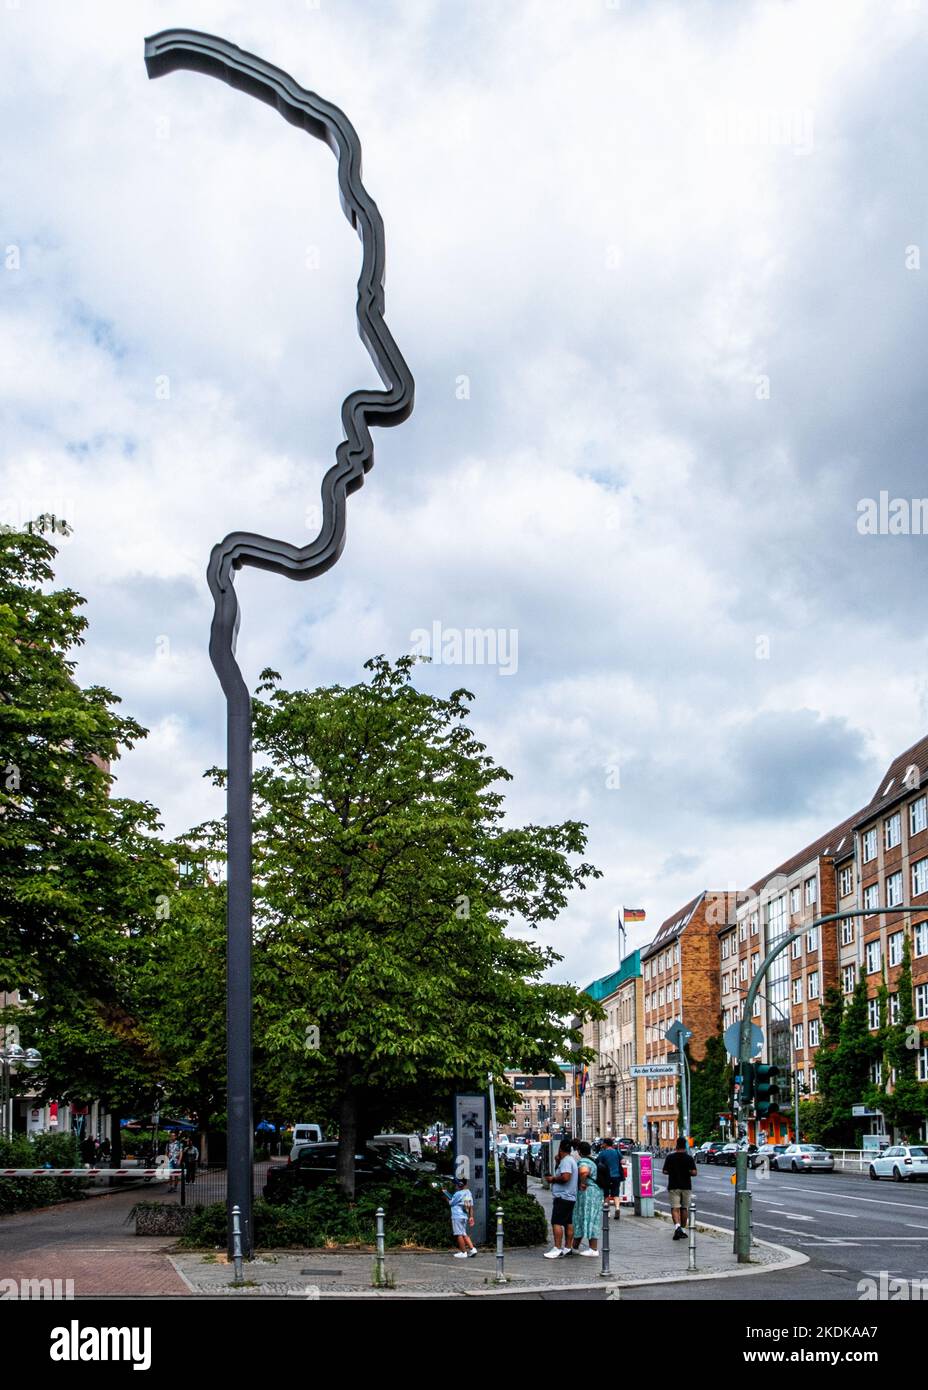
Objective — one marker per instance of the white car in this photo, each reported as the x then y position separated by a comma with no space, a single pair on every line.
302,1135
902,1163
804,1158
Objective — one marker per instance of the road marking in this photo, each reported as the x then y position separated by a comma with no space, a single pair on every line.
793,1216
826,1212
872,1201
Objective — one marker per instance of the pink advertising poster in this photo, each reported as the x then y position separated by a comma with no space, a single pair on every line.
647,1176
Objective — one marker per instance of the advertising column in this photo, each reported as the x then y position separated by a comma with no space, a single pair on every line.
471,1149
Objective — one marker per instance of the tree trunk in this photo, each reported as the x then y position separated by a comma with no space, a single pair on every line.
347,1139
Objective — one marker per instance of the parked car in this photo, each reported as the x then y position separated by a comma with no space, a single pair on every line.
535,1158
797,1158
626,1146
712,1150
902,1163
515,1156
699,1154
765,1151
315,1163
304,1134
409,1143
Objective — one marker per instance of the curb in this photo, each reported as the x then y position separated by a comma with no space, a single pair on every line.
792,1259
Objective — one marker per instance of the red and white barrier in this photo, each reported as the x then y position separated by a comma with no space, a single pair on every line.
86,1172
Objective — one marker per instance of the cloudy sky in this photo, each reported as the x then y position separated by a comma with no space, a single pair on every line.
657,270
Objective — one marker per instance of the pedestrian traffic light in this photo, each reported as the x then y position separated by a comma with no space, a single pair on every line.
745,1081
767,1089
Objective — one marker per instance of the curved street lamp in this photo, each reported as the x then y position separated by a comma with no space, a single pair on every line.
13,1059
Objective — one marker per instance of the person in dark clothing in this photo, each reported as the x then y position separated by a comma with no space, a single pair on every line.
679,1170
609,1174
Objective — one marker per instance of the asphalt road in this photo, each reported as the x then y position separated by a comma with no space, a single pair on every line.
850,1228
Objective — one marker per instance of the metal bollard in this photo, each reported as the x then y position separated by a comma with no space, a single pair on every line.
691,1229
605,1272
183,1184
500,1276
237,1244
381,1271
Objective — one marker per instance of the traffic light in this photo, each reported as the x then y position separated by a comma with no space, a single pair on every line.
745,1082
767,1089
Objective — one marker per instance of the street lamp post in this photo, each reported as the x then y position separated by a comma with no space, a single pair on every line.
167,52
742,1219
13,1059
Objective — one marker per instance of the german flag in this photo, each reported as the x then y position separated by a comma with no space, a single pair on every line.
633,914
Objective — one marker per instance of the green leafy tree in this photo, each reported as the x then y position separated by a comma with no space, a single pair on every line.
82,874
385,880
905,1098
712,1079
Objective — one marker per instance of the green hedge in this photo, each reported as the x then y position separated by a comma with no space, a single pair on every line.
415,1216
58,1151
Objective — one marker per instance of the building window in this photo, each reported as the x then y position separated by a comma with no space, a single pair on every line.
894,889
726,947
872,897
798,1037
812,939
660,995
676,989
744,971
923,1064
813,1080
894,1007
814,1031
660,964
874,957
755,962
876,1073
647,970
892,831
846,882
847,933
869,845
918,816
921,1001
895,948
797,990
793,900
849,978
811,891
813,985
776,917
756,1013
919,877
873,1013
676,954
742,931
755,923
920,939
795,947
801,1078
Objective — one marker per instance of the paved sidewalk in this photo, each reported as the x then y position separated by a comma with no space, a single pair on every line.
92,1244
641,1252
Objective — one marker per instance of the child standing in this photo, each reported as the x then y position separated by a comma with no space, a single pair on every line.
461,1202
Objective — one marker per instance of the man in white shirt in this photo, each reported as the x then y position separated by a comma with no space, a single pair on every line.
564,1191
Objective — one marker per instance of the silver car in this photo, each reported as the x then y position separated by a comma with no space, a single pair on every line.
804,1158
902,1163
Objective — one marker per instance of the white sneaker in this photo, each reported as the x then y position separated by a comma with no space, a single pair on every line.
459,1255
471,1254
588,1253
553,1254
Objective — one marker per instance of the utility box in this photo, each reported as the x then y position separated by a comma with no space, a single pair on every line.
643,1183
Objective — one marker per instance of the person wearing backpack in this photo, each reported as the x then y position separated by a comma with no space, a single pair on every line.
609,1174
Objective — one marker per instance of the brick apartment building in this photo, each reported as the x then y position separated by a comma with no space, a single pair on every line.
788,1006
613,1101
680,981
891,853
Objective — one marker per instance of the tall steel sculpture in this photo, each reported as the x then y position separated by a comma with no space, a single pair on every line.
186,48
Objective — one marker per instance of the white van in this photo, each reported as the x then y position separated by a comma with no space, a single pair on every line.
303,1135
409,1143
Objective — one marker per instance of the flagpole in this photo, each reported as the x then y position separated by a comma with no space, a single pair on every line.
621,934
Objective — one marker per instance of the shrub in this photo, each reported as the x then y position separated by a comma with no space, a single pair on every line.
415,1215
22,1151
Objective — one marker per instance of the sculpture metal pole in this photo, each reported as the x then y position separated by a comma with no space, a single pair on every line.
186,48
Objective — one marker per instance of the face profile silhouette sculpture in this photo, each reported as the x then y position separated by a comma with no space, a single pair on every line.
167,52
